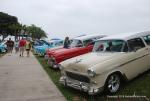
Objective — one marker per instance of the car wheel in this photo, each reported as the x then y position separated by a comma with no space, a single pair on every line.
112,83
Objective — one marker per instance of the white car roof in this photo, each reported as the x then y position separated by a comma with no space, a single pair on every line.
126,36
85,37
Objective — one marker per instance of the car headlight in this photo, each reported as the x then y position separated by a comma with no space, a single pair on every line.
61,67
91,72
53,58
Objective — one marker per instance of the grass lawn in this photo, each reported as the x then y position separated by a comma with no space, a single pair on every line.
140,86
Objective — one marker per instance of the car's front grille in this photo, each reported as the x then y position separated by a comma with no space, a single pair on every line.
78,77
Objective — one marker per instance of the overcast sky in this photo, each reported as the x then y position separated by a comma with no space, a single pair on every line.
61,18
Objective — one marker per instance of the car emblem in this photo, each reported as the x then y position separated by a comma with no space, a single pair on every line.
77,61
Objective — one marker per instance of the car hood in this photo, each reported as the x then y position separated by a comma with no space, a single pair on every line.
62,51
53,49
84,62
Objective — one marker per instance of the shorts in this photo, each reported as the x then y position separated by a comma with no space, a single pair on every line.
27,49
22,49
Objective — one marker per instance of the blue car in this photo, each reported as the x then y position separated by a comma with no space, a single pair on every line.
41,50
37,44
3,47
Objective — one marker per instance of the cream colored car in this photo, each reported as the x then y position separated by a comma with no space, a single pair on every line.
114,58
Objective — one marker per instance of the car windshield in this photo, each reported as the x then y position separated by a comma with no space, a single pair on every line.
45,42
109,46
76,43
56,43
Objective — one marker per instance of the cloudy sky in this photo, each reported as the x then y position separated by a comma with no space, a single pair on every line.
60,18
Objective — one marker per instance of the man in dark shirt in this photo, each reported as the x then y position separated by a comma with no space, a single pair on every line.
10,45
66,42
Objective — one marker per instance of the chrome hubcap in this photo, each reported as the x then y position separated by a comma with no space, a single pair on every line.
113,83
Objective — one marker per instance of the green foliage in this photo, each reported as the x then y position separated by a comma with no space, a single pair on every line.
36,32
9,24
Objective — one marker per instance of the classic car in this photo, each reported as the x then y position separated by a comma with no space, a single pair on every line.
48,51
114,59
78,46
41,50
36,44
3,47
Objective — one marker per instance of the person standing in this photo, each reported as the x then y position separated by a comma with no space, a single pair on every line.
16,46
66,42
9,45
28,47
22,44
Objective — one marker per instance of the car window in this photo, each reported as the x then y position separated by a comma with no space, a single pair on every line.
88,42
59,43
135,44
125,48
109,45
51,43
147,39
76,43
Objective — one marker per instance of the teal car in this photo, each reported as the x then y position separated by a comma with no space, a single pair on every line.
37,44
41,50
3,47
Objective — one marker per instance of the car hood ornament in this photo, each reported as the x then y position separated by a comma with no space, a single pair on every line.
78,60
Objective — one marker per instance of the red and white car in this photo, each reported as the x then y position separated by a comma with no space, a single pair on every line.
80,45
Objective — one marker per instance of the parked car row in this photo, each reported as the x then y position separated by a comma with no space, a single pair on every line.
41,50
100,63
79,45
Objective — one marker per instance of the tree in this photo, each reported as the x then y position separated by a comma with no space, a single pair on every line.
9,25
36,32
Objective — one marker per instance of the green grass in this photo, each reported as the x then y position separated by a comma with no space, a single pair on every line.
138,86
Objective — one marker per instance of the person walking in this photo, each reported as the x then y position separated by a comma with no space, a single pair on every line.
66,42
10,45
17,46
28,47
22,44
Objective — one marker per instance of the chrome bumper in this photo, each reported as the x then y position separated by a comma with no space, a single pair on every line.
80,85
53,64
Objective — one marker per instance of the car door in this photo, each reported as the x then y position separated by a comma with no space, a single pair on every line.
88,44
138,58
147,41
81,49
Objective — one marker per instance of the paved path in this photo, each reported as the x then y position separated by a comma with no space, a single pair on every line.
23,79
